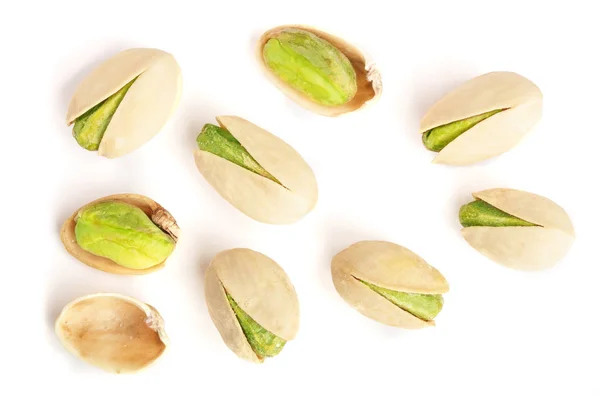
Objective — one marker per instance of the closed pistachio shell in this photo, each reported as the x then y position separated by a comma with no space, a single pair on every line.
519,98
111,331
145,108
254,195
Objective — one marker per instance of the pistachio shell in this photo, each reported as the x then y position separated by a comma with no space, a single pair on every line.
116,333
367,77
147,105
155,211
519,247
260,287
390,266
258,197
496,134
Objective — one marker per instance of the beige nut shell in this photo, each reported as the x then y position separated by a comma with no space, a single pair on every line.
254,195
260,287
368,78
111,331
390,266
523,247
161,217
496,134
147,105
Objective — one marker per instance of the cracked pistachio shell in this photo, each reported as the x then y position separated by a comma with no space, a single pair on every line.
260,287
111,331
254,195
494,135
368,79
389,266
159,216
523,247
145,108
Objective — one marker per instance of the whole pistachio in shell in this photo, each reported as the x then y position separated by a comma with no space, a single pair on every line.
255,171
126,234
389,284
111,331
125,101
252,302
317,70
517,229
483,118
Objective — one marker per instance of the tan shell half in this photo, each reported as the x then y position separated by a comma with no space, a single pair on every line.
254,195
390,266
116,333
523,247
161,217
147,105
260,287
368,78
496,134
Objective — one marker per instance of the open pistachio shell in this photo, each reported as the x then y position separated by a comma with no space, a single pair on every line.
523,247
159,216
146,106
261,288
368,79
257,196
114,332
389,266
519,99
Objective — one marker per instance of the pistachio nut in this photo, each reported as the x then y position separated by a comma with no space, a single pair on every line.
319,71
125,101
389,284
483,118
252,303
255,171
126,234
116,333
517,229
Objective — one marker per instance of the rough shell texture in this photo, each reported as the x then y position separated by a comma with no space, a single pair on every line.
256,196
155,211
526,248
368,78
260,287
390,266
496,134
147,106
116,333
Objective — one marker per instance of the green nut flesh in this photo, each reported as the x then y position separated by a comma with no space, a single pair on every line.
312,66
122,233
480,213
263,342
423,306
89,128
437,138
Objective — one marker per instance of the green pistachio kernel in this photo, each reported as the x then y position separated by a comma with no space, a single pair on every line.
312,66
437,138
263,342
89,128
480,213
122,233
423,306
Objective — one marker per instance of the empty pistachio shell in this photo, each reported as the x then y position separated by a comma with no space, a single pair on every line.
517,229
481,119
126,234
319,71
389,284
252,302
116,333
125,101
255,171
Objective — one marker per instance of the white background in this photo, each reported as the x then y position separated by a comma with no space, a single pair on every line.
502,334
